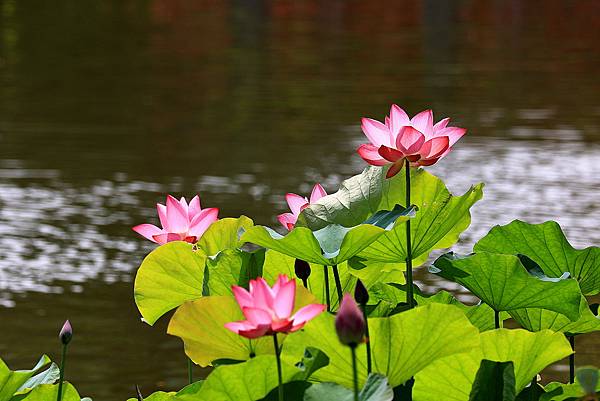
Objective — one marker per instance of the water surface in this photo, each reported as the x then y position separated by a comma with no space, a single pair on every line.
107,106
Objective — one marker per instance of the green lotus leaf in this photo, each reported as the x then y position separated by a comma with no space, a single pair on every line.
440,219
11,381
170,275
201,326
534,319
231,267
331,245
48,376
376,389
547,246
49,392
480,316
224,234
451,379
494,381
251,380
401,345
502,282
565,392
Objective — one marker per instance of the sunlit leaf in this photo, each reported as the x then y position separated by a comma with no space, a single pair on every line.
547,246
224,234
12,381
330,245
440,219
539,319
248,381
201,326
49,392
503,283
170,275
401,345
451,378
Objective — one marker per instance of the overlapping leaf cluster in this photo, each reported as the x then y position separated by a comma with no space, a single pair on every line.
442,349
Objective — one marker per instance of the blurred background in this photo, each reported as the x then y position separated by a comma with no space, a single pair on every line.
106,106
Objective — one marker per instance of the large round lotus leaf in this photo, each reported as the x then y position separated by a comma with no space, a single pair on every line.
451,378
502,282
534,319
170,275
49,392
547,246
401,345
330,245
440,218
201,326
12,381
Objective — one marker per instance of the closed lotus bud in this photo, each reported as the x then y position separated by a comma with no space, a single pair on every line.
66,333
302,269
349,322
361,295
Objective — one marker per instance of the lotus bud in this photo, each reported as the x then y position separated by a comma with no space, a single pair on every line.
66,333
349,322
302,269
361,295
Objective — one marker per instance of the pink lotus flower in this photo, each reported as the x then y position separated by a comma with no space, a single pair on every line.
269,310
297,204
180,221
400,138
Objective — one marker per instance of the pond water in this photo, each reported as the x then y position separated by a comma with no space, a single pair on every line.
106,106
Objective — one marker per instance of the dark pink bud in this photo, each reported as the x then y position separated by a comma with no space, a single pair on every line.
349,322
302,269
66,333
361,295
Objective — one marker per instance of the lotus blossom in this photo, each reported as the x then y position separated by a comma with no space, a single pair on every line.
180,221
268,310
297,204
418,139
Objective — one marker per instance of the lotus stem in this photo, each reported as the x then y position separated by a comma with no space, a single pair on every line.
63,362
190,369
497,319
354,372
572,360
326,280
368,343
338,283
279,375
409,272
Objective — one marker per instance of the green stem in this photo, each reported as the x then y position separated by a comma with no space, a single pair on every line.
409,270
279,376
368,343
338,283
572,360
190,370
326,279
354,372
63,362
